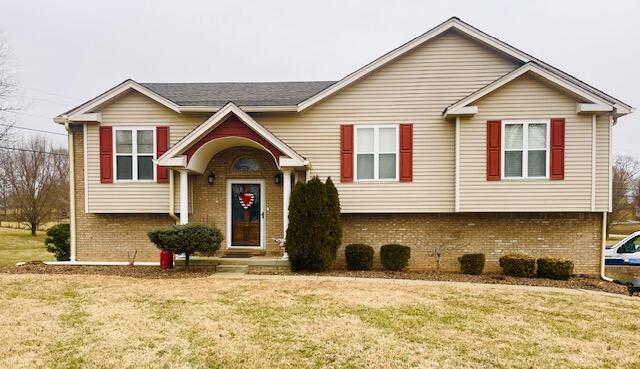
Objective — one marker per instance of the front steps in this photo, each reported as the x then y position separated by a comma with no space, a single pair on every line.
231,268
239,265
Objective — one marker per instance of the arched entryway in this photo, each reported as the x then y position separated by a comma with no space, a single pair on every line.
241,193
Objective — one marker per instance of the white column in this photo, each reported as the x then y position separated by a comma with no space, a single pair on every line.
286,195
457,172
184,197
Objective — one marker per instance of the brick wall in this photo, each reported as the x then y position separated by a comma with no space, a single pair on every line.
575,236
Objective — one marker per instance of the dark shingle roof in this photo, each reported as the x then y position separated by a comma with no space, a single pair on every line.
241,93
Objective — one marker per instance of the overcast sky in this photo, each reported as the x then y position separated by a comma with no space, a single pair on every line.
65,52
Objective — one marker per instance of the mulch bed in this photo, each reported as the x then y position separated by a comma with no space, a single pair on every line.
573,283
146,272
151,272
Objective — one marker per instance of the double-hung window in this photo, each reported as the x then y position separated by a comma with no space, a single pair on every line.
526,149
134,154
376,152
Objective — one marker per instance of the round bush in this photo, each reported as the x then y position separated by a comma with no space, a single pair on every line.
395,257
359,256
471,263
555,268
187,239
518,265
58,241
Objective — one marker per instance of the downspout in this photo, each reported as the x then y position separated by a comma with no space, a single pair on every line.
72,193
172,199
604,246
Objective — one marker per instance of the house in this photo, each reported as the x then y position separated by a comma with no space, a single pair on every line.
452,143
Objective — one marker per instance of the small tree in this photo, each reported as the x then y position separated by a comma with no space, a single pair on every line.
308,240
335,222
187,239
58,241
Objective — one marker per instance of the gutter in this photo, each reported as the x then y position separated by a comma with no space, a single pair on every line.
604,245
72,193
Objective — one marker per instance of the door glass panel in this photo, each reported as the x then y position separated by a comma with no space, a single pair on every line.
245,214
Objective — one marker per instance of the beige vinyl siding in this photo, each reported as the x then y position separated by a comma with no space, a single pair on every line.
413,89
529,98
602,163
133,110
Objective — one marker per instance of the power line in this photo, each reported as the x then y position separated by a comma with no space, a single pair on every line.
61,103
35,151
28,114
33,129
51,93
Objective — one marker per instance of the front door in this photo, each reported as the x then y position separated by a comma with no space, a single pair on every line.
246,216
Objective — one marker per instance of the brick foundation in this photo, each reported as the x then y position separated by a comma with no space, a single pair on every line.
574,236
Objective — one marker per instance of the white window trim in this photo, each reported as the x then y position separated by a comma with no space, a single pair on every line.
525,147
376,153
134,154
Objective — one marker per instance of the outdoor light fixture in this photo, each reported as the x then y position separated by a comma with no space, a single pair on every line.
277,178
211,178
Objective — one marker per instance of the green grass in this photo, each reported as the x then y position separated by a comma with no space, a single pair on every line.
73,321
18,245
625,228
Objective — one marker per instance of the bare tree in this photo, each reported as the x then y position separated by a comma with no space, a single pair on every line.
33,173
625,173
7,88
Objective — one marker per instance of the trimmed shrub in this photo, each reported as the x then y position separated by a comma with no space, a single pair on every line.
335,222
471,263
395,257
58,241
359,256
308,241
187,239
518,265
555,268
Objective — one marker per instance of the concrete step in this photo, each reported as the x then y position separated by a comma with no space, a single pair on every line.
232,268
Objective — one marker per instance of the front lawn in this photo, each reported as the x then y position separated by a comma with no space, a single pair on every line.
18,245
70,321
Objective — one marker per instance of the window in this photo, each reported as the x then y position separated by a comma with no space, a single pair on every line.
134,154
630,247
525,153
246,164
376,149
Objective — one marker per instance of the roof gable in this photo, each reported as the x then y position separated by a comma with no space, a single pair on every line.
459,108
457,25
179,154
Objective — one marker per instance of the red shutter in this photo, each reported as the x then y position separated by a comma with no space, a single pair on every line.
106,155
557,148
346,153
406,152
494,131
162,145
